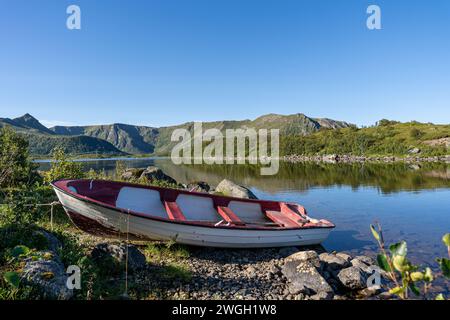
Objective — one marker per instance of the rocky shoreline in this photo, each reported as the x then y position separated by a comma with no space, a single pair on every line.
274,274
333,158
289,273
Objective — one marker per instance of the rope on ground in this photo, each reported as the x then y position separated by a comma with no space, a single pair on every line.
51,205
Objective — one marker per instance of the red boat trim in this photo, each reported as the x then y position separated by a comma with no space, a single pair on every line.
174,211
228,215
167,191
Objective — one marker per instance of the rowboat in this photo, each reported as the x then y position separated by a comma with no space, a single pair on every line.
138,212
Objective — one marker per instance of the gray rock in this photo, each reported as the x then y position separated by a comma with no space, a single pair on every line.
370,292
47,272
333,261
305,256
54,244
365,259
153,174
344,256
353,278
103,251
322,296
132,173
232,189
301,271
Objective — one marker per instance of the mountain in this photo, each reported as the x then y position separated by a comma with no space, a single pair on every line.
143,139
42,145
127,138
42,140
26,123
121,138
29,122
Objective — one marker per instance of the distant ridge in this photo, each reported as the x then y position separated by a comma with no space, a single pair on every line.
143,139
121,138
42,140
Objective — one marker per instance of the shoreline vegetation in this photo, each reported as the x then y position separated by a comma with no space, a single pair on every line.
326,158
36,250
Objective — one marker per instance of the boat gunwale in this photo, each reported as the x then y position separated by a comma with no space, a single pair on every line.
67,191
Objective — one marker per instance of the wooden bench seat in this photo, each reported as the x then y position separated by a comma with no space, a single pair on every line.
282,219
229,216
173,211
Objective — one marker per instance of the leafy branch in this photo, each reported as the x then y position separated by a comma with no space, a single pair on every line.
406,276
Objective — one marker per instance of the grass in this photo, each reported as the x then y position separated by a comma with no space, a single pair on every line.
172,258
388,138
158,251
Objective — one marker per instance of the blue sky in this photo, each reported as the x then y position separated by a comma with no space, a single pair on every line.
162,62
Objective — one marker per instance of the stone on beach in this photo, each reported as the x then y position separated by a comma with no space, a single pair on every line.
47,272
333,261
232,189
301,271
104,251
353,278
154,174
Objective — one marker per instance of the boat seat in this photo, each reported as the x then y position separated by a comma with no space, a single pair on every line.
229,216
291,214
280,218
141,200
248,211
73,189
198,208
173,211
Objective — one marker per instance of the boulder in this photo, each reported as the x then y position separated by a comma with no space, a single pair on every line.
198,186
368,267
353,278
232,189
46,271
333,262
344,256
154,174
301,271
304,278
365,259
104,253
53,243
132,173
305,256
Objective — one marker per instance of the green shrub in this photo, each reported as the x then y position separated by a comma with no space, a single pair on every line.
16,167
63,168
406,276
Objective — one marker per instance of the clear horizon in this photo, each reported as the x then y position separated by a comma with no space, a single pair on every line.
162,63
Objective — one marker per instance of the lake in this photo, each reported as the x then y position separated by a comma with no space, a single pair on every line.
412,202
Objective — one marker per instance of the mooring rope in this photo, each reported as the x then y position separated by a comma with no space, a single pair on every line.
50,204
126,258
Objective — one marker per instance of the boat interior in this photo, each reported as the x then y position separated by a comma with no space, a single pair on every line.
191,207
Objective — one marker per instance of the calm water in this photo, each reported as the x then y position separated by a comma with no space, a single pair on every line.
411,202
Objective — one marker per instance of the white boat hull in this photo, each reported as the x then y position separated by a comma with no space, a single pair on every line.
119,224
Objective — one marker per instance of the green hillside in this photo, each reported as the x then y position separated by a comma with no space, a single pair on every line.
42,145
387,138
